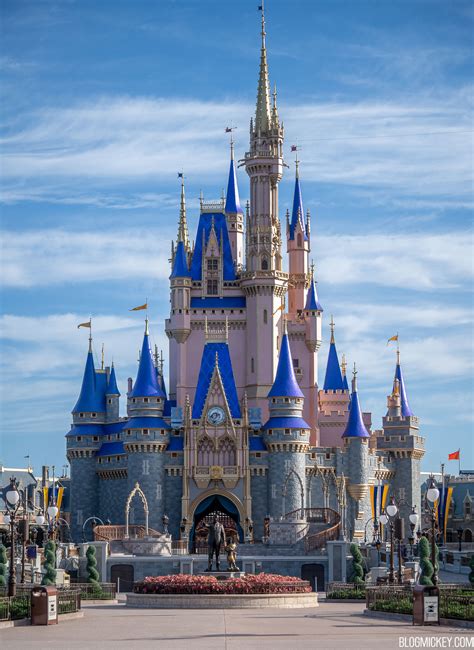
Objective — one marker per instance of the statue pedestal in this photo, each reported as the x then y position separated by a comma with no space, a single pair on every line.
222,575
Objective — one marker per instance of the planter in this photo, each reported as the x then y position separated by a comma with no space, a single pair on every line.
221,601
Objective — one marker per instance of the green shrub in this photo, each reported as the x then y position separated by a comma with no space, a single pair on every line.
92,573
471,566
49,577
3,566
426,565
357,576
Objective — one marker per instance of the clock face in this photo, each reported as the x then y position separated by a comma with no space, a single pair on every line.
216,416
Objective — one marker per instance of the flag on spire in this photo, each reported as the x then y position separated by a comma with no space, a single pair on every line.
88,324
455,455
393,338
140,307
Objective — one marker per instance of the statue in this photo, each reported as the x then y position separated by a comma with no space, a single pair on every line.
231,549
215,538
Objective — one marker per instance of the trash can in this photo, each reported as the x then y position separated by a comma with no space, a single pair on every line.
44,605
425,605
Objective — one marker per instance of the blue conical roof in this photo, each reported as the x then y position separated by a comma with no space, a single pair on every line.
285,384
146,383
312,302
180,265
232,201
333,378
212,353
298,211
112,388
355,427
91,398
345,385
406,410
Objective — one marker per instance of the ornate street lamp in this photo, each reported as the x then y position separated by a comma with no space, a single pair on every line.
413,517
460,532
432,496
165,520
13,503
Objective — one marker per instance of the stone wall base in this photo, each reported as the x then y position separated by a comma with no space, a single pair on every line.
221,601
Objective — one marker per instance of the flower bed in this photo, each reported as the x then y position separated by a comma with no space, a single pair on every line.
251,584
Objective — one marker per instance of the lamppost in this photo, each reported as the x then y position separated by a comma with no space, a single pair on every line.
13,503
165,521
460,532
432,496
413,517
389,517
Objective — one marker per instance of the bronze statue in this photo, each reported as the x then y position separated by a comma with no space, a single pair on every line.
231,549
215,538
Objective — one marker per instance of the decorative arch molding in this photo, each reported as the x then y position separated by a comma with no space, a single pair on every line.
217,492
136,490
284,491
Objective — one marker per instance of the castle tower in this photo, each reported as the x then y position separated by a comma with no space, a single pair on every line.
313,317
263,281
112,395
298,247
356,439
401,439
234,214
146,437
178,326
287,439
83,441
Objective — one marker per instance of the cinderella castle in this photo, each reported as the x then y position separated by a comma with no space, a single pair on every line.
243,428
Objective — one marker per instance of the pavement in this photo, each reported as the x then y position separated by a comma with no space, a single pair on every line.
327,627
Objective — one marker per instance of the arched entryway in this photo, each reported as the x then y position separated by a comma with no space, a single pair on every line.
229,516
123,576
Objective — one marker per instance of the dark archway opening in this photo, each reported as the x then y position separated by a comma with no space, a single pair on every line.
314,573
228,515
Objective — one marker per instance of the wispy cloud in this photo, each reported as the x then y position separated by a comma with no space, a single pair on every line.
441,261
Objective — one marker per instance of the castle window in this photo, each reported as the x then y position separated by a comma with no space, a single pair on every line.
205,452
94,415
212,287
81,415
100,461
299,240
146,467
274,491
296,363
134,400
174,454
265,316
258,455
109,401
95,438
145,399
287,432
79,438
467,508
270,432
117,458
227,453
212,265
252,365
264,264
159,492
145,432
328,456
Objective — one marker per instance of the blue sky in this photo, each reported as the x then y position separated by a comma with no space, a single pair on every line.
105,101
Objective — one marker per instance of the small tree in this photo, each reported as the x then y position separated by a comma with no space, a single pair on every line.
3,566
49,577
357,576
92,573
471,566
426,565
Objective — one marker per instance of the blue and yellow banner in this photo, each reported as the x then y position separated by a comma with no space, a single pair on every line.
442,506
378,499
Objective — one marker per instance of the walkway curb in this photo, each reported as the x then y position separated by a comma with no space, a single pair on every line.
408,618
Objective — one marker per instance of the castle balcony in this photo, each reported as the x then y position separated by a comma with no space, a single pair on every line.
212,207
229,475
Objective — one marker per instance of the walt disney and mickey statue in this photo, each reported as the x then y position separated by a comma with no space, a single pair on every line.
215,538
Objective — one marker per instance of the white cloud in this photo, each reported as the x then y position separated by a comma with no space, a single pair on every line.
374,144
418,262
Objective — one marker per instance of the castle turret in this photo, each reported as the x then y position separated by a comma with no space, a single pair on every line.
112,395
298,246
146,437
356,439
234,214
287,438
401,440
313,313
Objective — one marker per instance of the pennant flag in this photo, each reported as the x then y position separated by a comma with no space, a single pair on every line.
180,175
88,324
455,455
145,306
393,338
294,147
373,500
228,129
280,308
260,7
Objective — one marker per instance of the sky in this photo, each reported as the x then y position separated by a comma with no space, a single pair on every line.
105,101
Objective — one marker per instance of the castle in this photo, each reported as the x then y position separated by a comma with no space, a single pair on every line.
244,429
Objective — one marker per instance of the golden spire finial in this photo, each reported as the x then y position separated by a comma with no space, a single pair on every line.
262,115
343,365
332,326
312,270
146,326
90,334
183,234
156,357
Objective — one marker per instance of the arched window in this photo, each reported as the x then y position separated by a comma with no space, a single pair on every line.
265,316
264,264
299,241
252,365
468,535
205,452
227,455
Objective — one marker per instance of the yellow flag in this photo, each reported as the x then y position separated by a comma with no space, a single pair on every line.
280,308
60,500
84,325
393,338
145,306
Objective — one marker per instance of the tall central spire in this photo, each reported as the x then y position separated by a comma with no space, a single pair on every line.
183,234
263,114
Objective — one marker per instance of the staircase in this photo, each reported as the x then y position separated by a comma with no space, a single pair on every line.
324,526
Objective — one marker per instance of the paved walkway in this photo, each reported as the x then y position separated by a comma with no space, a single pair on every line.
330,626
